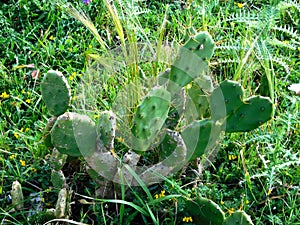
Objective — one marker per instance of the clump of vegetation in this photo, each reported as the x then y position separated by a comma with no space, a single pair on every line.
111,62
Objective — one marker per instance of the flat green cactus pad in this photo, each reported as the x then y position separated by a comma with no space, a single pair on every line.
241,115
196,137
150,117
58,179
191,61
55,92
47,130
106,129
197,105
74,134
205,212
238,218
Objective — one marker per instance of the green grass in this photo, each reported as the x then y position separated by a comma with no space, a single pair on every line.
257,45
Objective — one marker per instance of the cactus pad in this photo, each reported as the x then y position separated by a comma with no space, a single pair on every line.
58,179
17,195
150,117
47,130
62,209
238,218
241,115
106,130
57,159
55,92
196,137
191,61
205,212
74,134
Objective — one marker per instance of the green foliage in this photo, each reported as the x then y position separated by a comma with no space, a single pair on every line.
255,43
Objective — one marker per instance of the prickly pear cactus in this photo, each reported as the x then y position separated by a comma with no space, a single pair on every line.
196,137
47,130
55,92
191,61
241,115
149,118
17,195
205,212
57,159
62,209
74,134
238,218
58,179
106,130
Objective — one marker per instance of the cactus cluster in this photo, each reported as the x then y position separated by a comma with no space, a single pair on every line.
77,135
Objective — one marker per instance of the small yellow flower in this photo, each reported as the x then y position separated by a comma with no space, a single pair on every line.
16,135
22,129
189,86
13,156
4,95
48,190
299,48
222,203
240,5
90,46
27,129
28,101
33,169
51,38
247,202
187,219
23,163
160,195
269,191
23,91
232,157
96,116
230,211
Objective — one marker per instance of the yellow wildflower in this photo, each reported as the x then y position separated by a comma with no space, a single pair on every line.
96,116
22,129
16,135
51,38
90,46
269,191
222,203
13,156
28,101
299,48
240,5
232,157
33,169
230,211
23,163
4,95
187,219
162,194
27,129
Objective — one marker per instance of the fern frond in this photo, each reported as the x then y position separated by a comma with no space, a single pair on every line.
288,30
